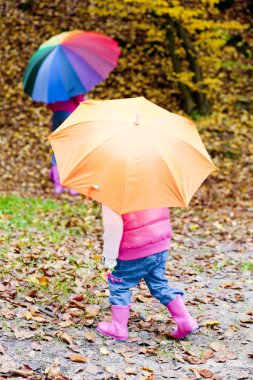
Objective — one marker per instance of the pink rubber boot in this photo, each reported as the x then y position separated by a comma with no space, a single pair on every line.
185,323
54,176
117,329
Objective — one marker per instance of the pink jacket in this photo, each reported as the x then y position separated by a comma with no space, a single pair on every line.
68,105
145,233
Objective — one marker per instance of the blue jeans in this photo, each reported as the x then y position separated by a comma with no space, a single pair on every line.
128,274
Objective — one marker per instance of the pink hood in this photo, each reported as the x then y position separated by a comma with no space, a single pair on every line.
68,105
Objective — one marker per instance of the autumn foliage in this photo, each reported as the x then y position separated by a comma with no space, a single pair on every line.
187,56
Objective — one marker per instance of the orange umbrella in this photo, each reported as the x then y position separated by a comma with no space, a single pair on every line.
130,155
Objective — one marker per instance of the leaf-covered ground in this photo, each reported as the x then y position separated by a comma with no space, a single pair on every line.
53,294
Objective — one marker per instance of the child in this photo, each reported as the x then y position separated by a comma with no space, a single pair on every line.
136,246
61,111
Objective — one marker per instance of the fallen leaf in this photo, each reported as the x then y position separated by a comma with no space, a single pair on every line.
29,299
210,323
147,369
8,366
74,347
23,334
23,372
2,349
231,285
109,369
140,298
206,373
150,377
169,374
76,358
32,293
104,351
27,315
129,360
92,369
53,370
231,355
197,375
65,337
92,310
216,346
130,371
206,355
90,336
77,297
190,359
204,300
148,351
243,375
36,346
179,358
44,281
88,321
8,313
6,216
220,358
65,324
248,320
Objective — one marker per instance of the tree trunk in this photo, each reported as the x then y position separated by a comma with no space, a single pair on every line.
188,100
201,99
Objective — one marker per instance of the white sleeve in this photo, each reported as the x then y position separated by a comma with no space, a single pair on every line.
113,231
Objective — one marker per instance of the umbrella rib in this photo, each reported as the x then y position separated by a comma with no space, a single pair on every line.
102,59
30,75
58,131
89,50
84,158
74,72
75,53
186,143
210,164
127,169
181,198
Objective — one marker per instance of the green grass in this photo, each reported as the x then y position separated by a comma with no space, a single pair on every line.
168,350
27,216
36,240
247,266
19,212
220,265
196,268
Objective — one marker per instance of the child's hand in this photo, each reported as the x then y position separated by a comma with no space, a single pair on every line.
109,263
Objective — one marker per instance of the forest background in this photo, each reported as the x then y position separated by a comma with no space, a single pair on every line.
192,57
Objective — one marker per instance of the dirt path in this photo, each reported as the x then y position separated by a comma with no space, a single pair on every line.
218,289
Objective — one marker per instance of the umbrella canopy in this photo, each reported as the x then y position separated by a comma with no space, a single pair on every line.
69,64
130,155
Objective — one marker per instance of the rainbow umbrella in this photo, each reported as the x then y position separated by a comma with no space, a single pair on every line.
69,64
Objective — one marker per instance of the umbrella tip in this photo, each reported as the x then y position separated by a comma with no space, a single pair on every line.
137,120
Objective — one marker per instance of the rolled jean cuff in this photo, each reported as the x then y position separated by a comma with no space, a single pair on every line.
166,299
